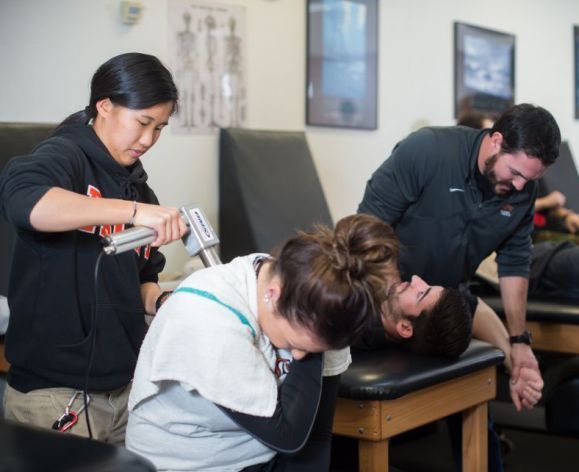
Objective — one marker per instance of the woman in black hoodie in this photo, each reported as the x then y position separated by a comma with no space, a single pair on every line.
73,336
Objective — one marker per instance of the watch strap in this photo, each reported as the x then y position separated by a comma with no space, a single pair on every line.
524,338
161,299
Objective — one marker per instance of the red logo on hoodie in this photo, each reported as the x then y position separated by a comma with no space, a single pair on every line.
92,192
105,230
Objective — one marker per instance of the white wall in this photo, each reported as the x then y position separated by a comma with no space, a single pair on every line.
50,49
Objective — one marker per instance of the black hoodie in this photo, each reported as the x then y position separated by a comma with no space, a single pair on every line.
52,286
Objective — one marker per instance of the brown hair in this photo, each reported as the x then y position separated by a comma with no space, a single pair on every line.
334,281
473,119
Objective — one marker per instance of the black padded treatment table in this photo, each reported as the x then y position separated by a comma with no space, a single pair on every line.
388,392
29,449
554,324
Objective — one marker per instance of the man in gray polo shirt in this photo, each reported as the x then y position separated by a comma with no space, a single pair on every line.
455,194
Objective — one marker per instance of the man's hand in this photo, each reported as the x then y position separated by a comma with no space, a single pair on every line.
526,391
522,357
550,202
572,222
555,199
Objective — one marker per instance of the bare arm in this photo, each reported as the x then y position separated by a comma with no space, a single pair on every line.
514,296
487,326
526,390
553,200
63,210
150,291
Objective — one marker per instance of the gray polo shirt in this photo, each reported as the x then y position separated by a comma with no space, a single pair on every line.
427,189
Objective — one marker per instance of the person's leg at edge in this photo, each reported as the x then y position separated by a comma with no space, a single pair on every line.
43,407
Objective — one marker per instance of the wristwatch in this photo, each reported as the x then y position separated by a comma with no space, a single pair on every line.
524,338
161,299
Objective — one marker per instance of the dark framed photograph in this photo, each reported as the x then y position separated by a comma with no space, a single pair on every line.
576,52
484,70
342,63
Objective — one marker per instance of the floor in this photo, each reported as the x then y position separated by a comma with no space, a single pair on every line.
429,450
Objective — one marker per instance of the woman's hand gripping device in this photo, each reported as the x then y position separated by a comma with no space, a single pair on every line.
200,240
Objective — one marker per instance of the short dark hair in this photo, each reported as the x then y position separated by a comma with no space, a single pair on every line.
531,129
444,330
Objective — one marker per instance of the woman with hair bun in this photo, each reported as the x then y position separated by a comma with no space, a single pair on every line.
76,187
231,374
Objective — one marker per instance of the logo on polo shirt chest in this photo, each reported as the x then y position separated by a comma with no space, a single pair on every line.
507,210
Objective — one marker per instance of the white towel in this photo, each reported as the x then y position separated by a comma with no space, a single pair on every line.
204,345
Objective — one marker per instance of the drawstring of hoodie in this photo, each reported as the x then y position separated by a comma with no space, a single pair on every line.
137,176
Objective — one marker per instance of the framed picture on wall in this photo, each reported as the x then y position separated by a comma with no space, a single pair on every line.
576,52
342,63
484,70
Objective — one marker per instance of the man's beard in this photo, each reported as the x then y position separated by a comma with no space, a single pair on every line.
392,301
490,174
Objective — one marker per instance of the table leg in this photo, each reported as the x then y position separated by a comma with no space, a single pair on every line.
475,438
373,455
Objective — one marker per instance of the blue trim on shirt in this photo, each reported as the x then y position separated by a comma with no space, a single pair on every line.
210,296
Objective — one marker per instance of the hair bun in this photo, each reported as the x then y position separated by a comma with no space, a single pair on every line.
345,261
335,281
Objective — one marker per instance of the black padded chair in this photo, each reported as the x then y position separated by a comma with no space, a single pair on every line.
16,139
563,176
268,189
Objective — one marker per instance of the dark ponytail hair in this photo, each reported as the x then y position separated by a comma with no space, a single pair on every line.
334,282
132,80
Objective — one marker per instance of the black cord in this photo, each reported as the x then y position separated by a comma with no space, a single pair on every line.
92,342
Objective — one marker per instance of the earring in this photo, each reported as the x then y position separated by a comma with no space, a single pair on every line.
266,299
